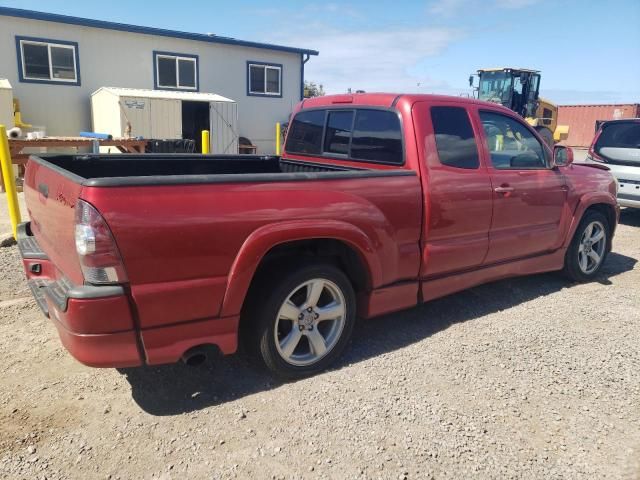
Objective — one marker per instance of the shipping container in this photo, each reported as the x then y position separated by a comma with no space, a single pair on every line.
6,103
160,114
584,119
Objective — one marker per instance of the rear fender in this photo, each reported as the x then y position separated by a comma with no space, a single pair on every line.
265,238
587,200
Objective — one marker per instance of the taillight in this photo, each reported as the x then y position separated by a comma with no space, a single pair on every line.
592,149
99,256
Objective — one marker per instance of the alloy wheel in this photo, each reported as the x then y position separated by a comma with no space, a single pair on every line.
592,247
310,322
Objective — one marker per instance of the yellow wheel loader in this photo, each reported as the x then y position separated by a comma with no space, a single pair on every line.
518,89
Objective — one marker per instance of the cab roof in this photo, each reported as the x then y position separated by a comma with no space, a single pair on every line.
502,69
387,100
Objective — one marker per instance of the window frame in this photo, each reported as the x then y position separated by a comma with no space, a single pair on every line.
176,57
348,157
22,76
274,66
545,151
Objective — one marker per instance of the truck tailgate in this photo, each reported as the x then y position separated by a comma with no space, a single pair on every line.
51,195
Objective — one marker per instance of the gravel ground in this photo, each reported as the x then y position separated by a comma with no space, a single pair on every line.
527,378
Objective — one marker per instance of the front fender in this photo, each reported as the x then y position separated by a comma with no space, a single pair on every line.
586,201
266,237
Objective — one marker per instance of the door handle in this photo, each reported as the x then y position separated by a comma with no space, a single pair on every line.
504,190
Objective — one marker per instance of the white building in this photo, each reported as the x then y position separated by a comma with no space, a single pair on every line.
55,62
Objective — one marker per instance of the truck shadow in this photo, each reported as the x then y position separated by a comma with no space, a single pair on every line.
177,389
630,217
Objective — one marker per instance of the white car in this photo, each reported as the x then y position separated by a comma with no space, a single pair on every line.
617,144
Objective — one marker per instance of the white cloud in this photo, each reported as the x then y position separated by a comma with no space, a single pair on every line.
513,4
374,60
578,97
448,8
445,7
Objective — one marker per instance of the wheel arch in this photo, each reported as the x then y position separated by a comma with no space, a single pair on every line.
594,202
342,242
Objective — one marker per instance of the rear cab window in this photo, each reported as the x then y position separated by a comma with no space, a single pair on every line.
455,141
305,134
358,134
619,141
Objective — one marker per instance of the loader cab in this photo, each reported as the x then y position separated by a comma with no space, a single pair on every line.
516,89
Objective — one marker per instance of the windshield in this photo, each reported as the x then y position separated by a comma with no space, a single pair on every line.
495,87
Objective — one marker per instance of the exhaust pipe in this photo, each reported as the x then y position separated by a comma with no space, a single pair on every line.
194,356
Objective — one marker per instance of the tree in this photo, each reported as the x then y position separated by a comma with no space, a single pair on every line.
312,90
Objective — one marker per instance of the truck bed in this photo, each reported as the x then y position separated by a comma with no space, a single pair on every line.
169,169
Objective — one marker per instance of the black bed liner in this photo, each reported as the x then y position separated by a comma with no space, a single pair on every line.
180,169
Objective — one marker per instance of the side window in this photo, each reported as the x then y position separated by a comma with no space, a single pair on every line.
455,141
377,137
305,133
511,144
338,132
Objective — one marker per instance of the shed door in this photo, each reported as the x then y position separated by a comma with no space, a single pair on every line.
166,118
224,127
138,112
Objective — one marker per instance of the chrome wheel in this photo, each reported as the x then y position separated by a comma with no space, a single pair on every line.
592,247
310,322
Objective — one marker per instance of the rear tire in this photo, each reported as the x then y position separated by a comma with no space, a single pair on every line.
299,324
589,248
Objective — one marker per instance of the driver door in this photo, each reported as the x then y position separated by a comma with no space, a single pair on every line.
528,197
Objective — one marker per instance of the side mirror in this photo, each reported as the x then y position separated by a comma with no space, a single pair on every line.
471,80
562,156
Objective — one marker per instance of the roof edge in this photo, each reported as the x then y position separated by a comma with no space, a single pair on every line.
631,104
124,27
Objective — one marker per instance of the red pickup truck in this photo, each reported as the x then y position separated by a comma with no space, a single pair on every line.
378,203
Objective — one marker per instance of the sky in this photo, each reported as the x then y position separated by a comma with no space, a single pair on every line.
588,51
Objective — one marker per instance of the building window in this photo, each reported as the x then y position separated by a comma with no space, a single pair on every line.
175,71
264,79
47,61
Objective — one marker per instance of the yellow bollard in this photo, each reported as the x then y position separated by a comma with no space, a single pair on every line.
9,181
278,138
205,142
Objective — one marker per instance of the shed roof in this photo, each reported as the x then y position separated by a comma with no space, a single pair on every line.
166,94
4,83
124,27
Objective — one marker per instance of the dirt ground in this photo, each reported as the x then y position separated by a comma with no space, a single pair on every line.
527,378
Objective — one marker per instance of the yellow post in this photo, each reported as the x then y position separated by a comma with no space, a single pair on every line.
205,142
278,138
9,181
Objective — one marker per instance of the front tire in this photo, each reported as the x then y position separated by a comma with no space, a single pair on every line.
300,323
589,248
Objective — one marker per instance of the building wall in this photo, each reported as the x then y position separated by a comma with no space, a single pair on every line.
125,59
6,104
582,120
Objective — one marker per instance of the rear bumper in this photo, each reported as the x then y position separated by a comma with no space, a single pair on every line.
94,323
101,350
629,202
628,178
